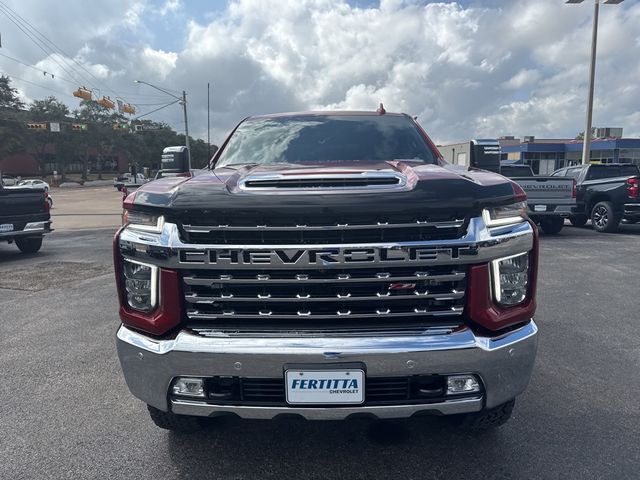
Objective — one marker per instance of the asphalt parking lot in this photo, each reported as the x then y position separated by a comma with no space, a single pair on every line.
66,412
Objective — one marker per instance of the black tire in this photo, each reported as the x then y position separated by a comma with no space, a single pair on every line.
487,419
552,225
29,244
578,220
173,422
604,218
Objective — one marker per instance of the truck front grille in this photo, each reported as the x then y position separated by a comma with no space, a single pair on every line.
327,297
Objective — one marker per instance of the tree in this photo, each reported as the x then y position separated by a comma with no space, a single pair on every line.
12,128
580,136
8,95
50,109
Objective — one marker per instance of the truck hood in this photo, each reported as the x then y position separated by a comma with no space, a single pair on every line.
292,191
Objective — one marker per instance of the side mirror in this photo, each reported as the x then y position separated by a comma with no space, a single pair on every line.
175,160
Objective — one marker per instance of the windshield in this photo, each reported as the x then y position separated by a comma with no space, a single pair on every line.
325,139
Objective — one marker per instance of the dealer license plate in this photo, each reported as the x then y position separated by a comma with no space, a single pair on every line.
6,227
324,387
540,208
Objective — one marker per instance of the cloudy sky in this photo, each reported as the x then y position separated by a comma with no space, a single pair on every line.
474,68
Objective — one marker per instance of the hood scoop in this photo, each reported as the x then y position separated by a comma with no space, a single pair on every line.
324,181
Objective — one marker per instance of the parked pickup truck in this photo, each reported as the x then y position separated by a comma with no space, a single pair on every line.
331,264
550,199
606,194
24,217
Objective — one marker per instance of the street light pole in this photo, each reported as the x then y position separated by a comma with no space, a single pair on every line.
186,125
586,143
183,101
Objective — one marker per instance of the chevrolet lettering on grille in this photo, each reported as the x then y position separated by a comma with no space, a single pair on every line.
325,257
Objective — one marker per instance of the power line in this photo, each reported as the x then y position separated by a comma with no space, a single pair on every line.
36,84
45,41
37,42
153,111
53,75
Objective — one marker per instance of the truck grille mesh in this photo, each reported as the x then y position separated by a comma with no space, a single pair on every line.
335,297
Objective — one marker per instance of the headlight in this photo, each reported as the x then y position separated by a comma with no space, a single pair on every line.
510,279
140,283
505,214
143,221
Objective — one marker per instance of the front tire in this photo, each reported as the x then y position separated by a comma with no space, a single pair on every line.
175,423
29,244
488,419
552,226
604,218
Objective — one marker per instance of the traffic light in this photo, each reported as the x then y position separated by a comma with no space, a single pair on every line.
37,126
121,126
107,103
83,93
78,127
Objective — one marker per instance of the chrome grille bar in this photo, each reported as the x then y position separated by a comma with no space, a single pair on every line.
457,223
197,315
198,298
212,332
335,279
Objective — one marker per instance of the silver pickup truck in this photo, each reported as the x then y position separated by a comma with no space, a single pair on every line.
549,199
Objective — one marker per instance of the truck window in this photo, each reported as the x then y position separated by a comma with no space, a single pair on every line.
512,171
602,171
325,139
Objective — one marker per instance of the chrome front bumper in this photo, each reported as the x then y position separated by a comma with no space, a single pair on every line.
504,364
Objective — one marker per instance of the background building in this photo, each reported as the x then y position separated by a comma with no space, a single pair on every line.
545,155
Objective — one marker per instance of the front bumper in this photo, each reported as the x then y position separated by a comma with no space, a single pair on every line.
503,363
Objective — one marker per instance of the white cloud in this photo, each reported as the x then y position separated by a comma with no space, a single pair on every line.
517,67
523,78
159,62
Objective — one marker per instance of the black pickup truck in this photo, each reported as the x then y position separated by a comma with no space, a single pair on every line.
24,217
605,194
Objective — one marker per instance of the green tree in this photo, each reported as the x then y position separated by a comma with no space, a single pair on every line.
50,110
12,121
8,95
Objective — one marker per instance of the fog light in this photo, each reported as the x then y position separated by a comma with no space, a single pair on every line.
462,384
188,387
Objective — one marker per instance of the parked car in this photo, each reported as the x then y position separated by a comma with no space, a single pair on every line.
8,181
24,217
549,199
331,264
34,183
606,194
138,178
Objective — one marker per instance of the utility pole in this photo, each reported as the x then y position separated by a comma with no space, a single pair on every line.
208,126
586,143
183,101
186,125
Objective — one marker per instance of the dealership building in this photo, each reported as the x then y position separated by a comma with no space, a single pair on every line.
547,155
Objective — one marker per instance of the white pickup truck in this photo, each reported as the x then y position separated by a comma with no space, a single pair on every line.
549,199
